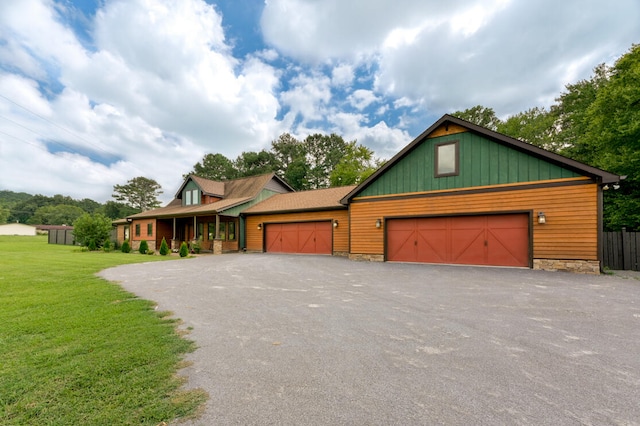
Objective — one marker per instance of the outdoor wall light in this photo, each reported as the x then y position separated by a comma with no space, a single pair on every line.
259,227
542,218
378,223
335,223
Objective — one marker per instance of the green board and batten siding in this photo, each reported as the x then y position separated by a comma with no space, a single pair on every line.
482,162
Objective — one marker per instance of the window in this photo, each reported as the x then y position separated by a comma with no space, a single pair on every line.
126,232
232,231
195,199
137,229
223,230
446,159
187,195
212,230
149,229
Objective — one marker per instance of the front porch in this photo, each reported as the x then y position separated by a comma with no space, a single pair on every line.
207,234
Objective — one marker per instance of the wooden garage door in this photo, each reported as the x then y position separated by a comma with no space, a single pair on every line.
302,237
499,240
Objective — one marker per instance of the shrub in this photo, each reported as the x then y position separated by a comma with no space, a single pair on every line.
197,245
126,248
184,250
151,252
144,247
92,227
107,246
92,245
164,247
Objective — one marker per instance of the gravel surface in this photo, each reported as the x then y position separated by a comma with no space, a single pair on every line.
318,340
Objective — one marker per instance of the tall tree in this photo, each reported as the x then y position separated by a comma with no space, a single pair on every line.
323,155
115,210
357,164
291,155
535,126
141,193
479,115
215,167
255,163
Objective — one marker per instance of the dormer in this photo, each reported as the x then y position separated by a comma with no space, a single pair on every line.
191,194
197,191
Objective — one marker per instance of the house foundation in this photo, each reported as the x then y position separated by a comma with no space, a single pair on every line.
577,266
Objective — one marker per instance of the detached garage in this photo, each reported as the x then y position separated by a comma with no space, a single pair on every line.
308,222
462,194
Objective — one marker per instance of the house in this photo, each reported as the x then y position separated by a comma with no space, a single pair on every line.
457,194
462,194
300,222
203,210
17,229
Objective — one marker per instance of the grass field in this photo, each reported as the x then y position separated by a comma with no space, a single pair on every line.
78,350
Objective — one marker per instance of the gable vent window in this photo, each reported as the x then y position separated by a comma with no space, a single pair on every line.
447,159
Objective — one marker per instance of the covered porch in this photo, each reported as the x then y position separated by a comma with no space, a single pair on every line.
215,234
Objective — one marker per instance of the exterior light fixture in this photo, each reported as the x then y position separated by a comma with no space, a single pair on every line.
335,223
616,186
259,227
605,187
378,223
542,218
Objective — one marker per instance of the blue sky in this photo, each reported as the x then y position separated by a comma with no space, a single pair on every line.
96,92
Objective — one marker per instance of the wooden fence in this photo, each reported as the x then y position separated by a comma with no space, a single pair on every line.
621,250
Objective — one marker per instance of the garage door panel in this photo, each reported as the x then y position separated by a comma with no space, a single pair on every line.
475,240
299,237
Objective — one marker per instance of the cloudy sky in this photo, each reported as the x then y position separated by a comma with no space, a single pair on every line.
96,92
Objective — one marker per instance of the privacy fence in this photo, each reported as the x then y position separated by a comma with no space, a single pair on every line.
621,250
65,236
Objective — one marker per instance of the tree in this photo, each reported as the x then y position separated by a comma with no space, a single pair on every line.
255,163
535,126
323,155
356,165
92,229
479,115
4,214
291,155
141,193
60,214
215,167
115,210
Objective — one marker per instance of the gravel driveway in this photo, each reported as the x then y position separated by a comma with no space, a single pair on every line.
320,340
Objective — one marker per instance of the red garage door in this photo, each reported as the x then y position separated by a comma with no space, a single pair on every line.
499,240
302,237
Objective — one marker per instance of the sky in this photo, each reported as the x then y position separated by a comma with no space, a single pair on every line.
96,92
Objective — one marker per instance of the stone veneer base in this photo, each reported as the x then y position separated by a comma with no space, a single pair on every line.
577,266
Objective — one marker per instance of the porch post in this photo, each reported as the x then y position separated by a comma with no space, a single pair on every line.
217,242
195,228
174,229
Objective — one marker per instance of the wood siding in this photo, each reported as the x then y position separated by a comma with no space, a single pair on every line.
340,234
570,232
482,162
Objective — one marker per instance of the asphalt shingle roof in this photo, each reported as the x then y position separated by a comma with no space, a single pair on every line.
318,199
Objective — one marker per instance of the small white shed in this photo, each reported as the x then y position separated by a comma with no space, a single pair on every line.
17,229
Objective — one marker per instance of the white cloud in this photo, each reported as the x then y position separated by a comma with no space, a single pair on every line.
360,99
308,97
342,75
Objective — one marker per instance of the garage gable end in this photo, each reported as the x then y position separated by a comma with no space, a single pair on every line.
453,154
470,160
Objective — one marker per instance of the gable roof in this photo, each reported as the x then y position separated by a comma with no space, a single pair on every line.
598,175
317,199
233,193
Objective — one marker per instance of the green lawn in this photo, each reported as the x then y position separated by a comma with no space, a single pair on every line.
76,349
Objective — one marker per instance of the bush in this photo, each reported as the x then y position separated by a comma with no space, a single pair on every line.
92,245
184,250
144,247
94,228
164,247
107,246
126,247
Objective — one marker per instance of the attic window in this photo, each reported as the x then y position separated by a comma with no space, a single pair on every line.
447,159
